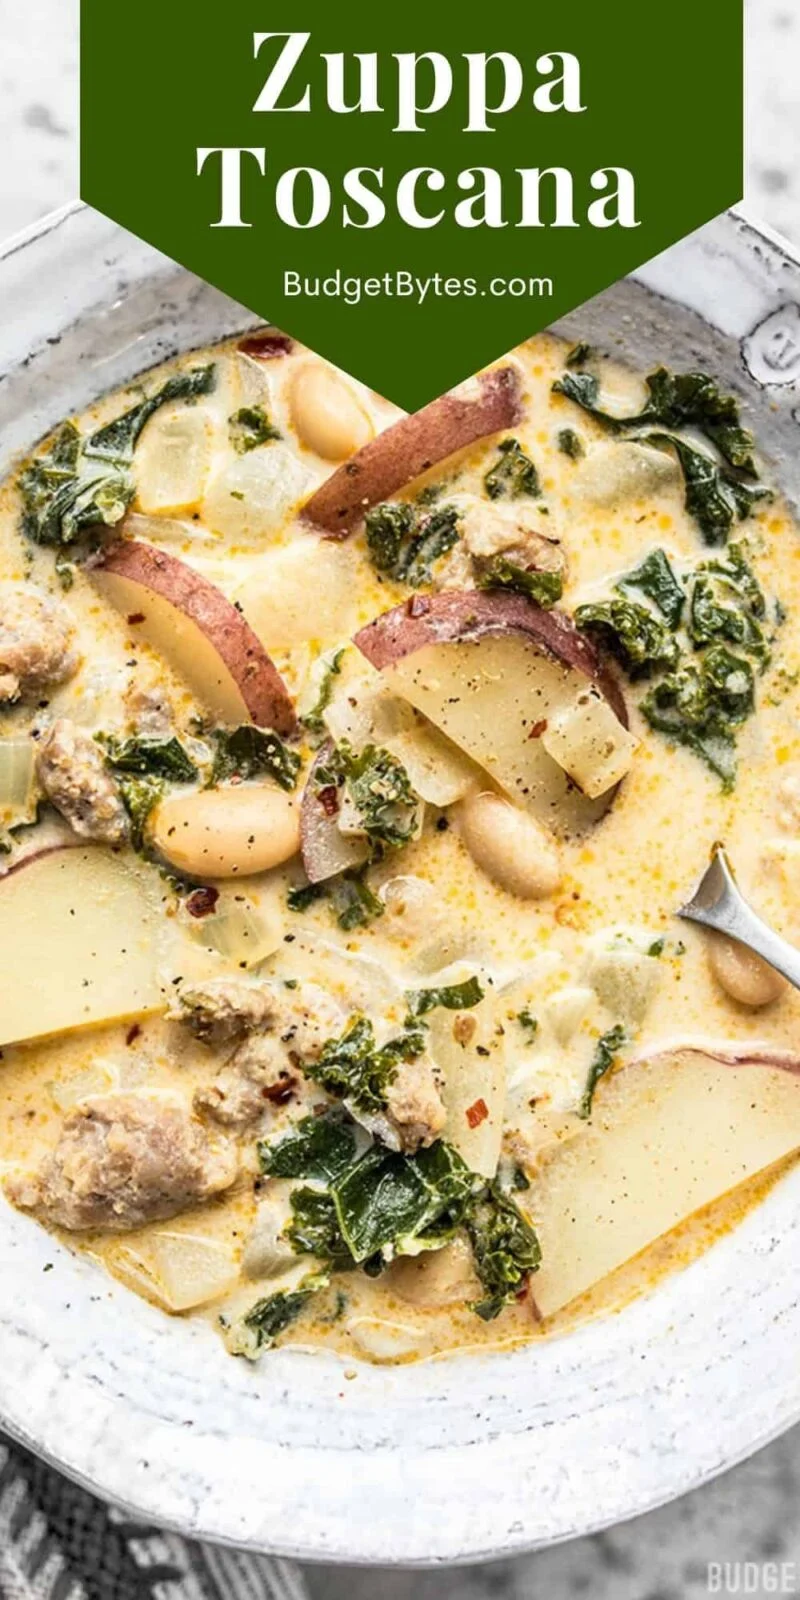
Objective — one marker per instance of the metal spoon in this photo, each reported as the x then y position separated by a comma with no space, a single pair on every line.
718,903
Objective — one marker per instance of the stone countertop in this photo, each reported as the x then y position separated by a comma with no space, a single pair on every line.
752,1514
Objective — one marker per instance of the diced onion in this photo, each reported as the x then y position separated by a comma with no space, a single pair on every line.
173,459
240,932
17,781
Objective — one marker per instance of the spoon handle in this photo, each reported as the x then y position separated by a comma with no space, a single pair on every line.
720,904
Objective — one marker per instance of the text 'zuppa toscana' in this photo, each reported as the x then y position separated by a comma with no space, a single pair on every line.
352,768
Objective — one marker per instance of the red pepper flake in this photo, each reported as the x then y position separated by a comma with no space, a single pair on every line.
538,729
135,616
477,1113
278,1093
418,606
329,800
201,902
134,1032
266,346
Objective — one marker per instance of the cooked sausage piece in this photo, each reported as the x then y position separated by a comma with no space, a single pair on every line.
259,1074
223,1008
414,1107
35,641
123,1160
285,1027
73,775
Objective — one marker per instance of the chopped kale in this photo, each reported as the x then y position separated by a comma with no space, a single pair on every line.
270,1316
529,1023
633,634
143,755
86,483
139,796
606,1051
405,540
513,476
727,604
656,578
676,400
355,1068
314,1229
117,440
303,895
570,444
379,789
505,1248
248,751
321,1148
541,586
313,720
249,427
580,354
713,495
386,1202
453,997
354,902
701,705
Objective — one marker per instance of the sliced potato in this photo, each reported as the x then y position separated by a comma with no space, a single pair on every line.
468,1050
303,592
193,625
78,942
177,1270
439,772
590,743
667,1136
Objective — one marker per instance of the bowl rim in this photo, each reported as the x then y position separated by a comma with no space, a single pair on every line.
86,1410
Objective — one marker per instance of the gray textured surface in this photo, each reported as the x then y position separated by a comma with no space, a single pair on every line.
753,1514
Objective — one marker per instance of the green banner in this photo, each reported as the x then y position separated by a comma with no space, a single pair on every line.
409,190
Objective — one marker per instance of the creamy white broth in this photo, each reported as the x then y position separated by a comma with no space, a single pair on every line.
306,596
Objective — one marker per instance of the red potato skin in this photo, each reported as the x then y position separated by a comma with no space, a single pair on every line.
462,615
262,688
412,446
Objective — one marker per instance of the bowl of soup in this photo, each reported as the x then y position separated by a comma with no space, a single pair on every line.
388,1172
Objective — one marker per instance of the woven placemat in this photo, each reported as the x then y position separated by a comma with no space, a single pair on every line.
59,1543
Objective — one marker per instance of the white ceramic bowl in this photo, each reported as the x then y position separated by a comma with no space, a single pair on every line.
462,1458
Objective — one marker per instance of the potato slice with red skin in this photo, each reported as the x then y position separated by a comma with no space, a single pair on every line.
490,670
191,622
668,1135
326,851
466,615
412,446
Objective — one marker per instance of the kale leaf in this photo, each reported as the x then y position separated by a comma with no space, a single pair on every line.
604,1058
248,751
317,1147
570,444
543,587
249,427
386,1202
635,636
144,755
727,604
513,476
405,540
354,1067
314,1229
453,997
139,796
314,719
676,400
701,704
505,1248
270,1316
655,577
82,483
354,903
713,495
379,789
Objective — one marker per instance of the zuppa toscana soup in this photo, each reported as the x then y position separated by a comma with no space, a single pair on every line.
352,770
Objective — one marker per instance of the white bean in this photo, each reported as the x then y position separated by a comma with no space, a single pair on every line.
743,975
228,832
511,847
328,416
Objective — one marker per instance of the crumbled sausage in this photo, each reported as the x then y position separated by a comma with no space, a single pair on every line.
149,711
35,641
123,1160
223,1008
288,1026
414,1106
73,775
